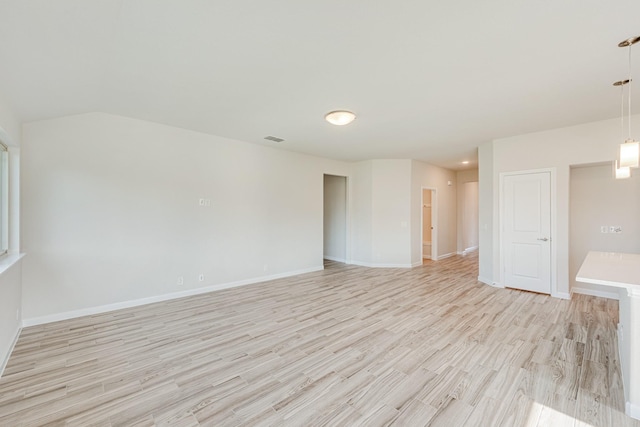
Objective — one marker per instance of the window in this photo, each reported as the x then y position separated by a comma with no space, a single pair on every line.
4,199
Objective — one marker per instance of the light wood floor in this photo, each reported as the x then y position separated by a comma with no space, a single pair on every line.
345,346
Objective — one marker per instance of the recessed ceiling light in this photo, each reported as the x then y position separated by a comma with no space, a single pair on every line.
340,117
466,162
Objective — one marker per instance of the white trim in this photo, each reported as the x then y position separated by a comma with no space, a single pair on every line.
595,293
373,265
348,243
621,359
553,226
158,298
449,255
561,295
6,199
6,262
434,222
490,282
485,281
14,200
632,410
416,264
11,347
333,258
468,250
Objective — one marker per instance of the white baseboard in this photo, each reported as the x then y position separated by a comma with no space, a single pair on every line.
595,293
449,255
468,250
416,264
632,410
561,295
496,285
485,281
333,258
373,265
6,356
158,298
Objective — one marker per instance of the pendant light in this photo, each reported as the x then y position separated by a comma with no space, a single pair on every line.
621,172
630,149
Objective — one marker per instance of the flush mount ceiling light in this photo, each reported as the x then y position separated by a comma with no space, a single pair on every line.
340,117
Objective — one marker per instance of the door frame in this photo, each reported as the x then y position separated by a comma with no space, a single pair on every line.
434,223
553,219
347,249
465,221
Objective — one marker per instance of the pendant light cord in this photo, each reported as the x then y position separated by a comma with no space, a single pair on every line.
622,111
629,91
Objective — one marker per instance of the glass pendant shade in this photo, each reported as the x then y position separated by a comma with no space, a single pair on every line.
629,154
621,172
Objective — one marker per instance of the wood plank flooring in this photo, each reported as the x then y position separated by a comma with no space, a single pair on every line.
347,346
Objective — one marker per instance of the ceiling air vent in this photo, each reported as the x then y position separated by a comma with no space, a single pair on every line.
273,138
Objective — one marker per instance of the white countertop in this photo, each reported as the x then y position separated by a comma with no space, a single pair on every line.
611,269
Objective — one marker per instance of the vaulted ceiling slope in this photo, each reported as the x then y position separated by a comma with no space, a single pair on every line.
429,80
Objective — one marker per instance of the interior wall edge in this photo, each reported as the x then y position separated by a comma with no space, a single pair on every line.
5,358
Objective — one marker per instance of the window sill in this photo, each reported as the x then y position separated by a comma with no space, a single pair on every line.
7,261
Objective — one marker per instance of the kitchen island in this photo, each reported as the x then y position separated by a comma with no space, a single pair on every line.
621,271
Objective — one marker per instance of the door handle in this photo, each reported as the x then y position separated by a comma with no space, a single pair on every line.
544,239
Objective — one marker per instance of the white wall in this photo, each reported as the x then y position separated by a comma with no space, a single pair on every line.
335,218
469,210
391,184
594,196
111,214
557,149
362,213
10,127
380,213
467,202
487,220
430,176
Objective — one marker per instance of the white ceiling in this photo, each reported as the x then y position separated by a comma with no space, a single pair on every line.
429,80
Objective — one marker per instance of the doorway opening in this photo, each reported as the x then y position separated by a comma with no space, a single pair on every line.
469,238
335,218
429,247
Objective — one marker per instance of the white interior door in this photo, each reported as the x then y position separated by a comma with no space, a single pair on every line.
527,231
